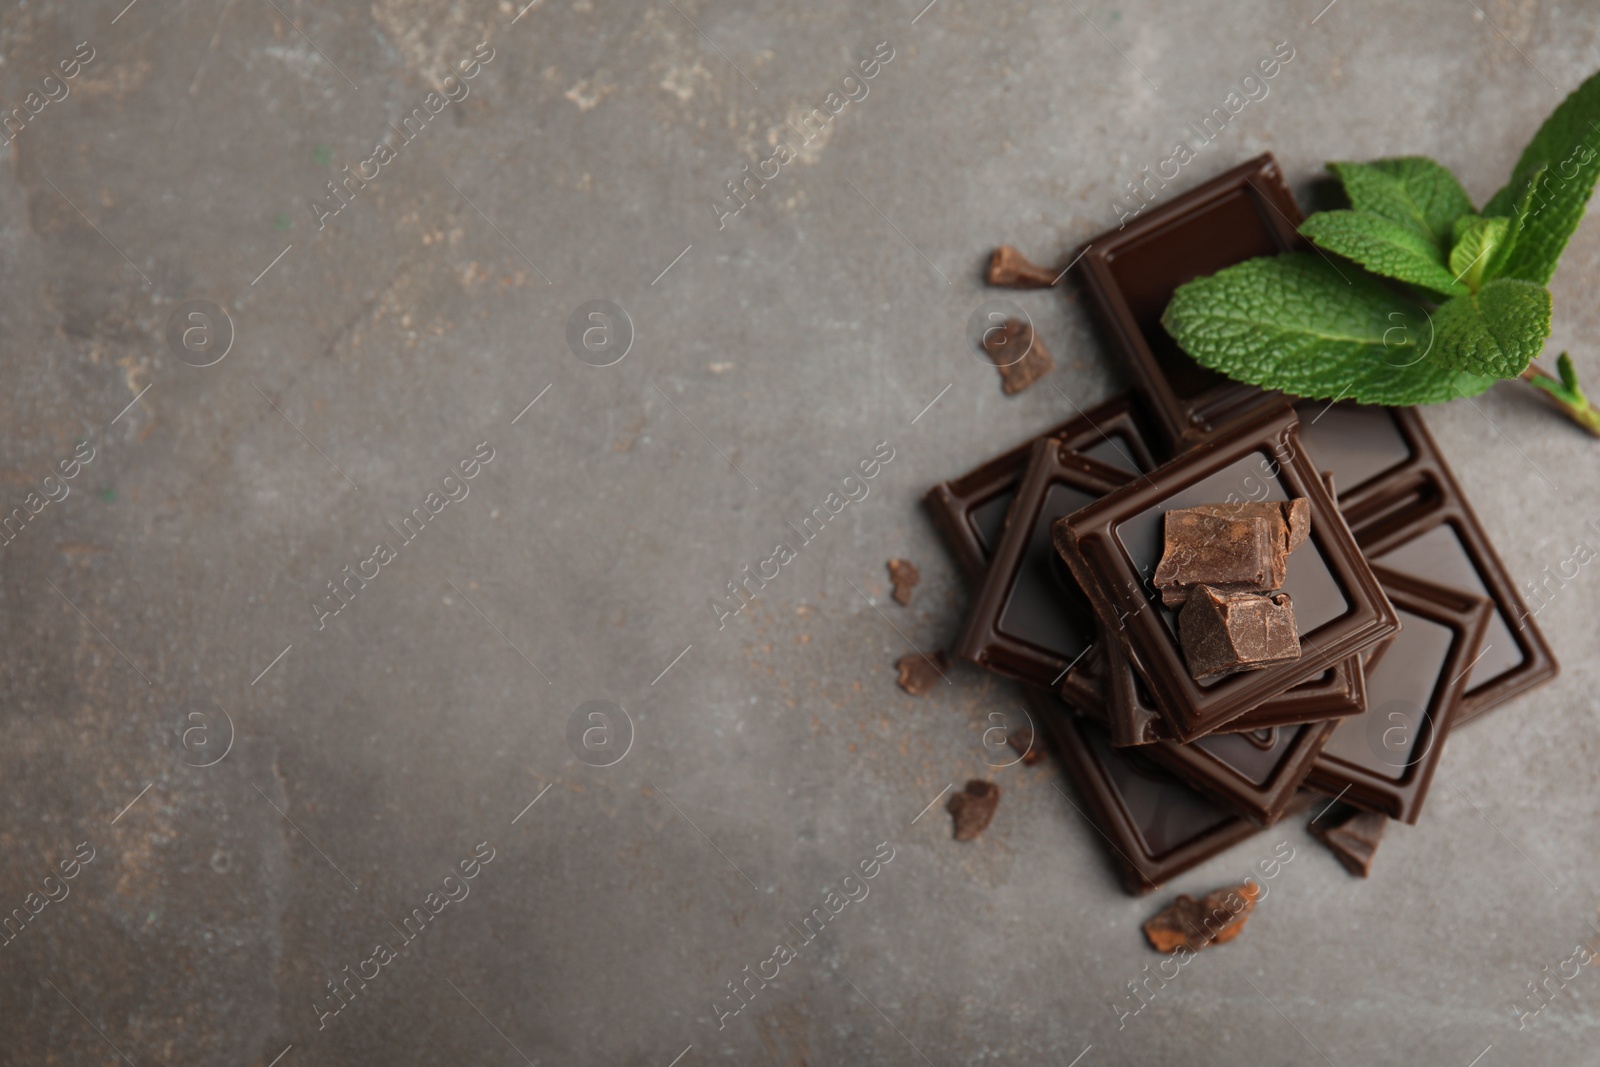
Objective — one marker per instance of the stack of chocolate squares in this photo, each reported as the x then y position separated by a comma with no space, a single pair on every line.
1403,619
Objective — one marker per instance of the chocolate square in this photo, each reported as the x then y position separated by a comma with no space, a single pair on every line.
1383,760
1113,545
1131,273
970,511
1155,826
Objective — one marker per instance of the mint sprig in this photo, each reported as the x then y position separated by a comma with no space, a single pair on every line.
1411,296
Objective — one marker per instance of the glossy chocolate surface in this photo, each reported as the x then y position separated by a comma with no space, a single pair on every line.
1154,826
1113,545
1416,519
970,511
1132,272
1026,623
1383,760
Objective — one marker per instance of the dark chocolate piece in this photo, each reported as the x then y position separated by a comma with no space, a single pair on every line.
1234,548
1225,633
1352,835
904,576
1026,623
972,809
1215,919
1026,744
1383,760
1008,267
1154,826
1417,520
1113,545
1131,273
970,511
1018,354
919,673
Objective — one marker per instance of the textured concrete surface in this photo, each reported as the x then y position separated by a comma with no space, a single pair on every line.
163,607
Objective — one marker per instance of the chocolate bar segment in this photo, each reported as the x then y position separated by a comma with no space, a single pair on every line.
1429,530
1155,826
1112,547
1027,623
970,511
1383,760
1132,272
1225,633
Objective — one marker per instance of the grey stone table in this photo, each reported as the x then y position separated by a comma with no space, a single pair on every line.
264,747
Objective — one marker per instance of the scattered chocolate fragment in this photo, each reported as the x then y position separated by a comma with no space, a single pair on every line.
1018,354
919,673
1240,547
1353,836
1008,267
1026,742
1224,633
904,575
973,808
1216,918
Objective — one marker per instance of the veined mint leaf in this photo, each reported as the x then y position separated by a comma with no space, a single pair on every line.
1294,322
1475,243
1568,145
1522,208
1384,247
1412,191
1497,331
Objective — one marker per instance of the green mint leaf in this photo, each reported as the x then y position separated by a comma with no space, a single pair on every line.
1568,146
1496,331
1384,247
1412,191
1294,322
1522,208
1475,243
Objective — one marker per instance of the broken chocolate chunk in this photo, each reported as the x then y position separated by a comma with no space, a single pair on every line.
1026,742
1216,918
1240,547
1008,267
1353,836
904,575
1018,354
919,673
973,808
1224,633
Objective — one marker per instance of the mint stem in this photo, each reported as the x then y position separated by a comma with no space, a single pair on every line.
1569,401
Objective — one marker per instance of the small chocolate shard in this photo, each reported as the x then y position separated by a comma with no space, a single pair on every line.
973,808
1353,836
1215,919
905,576
1026,743
1008,267
919,673
1224,633
1018,354
1240,547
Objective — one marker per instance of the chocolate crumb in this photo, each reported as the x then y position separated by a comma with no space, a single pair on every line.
904,574
919,673
1018,354
1353,836
1008,267
973,808
1216,918
1026,742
